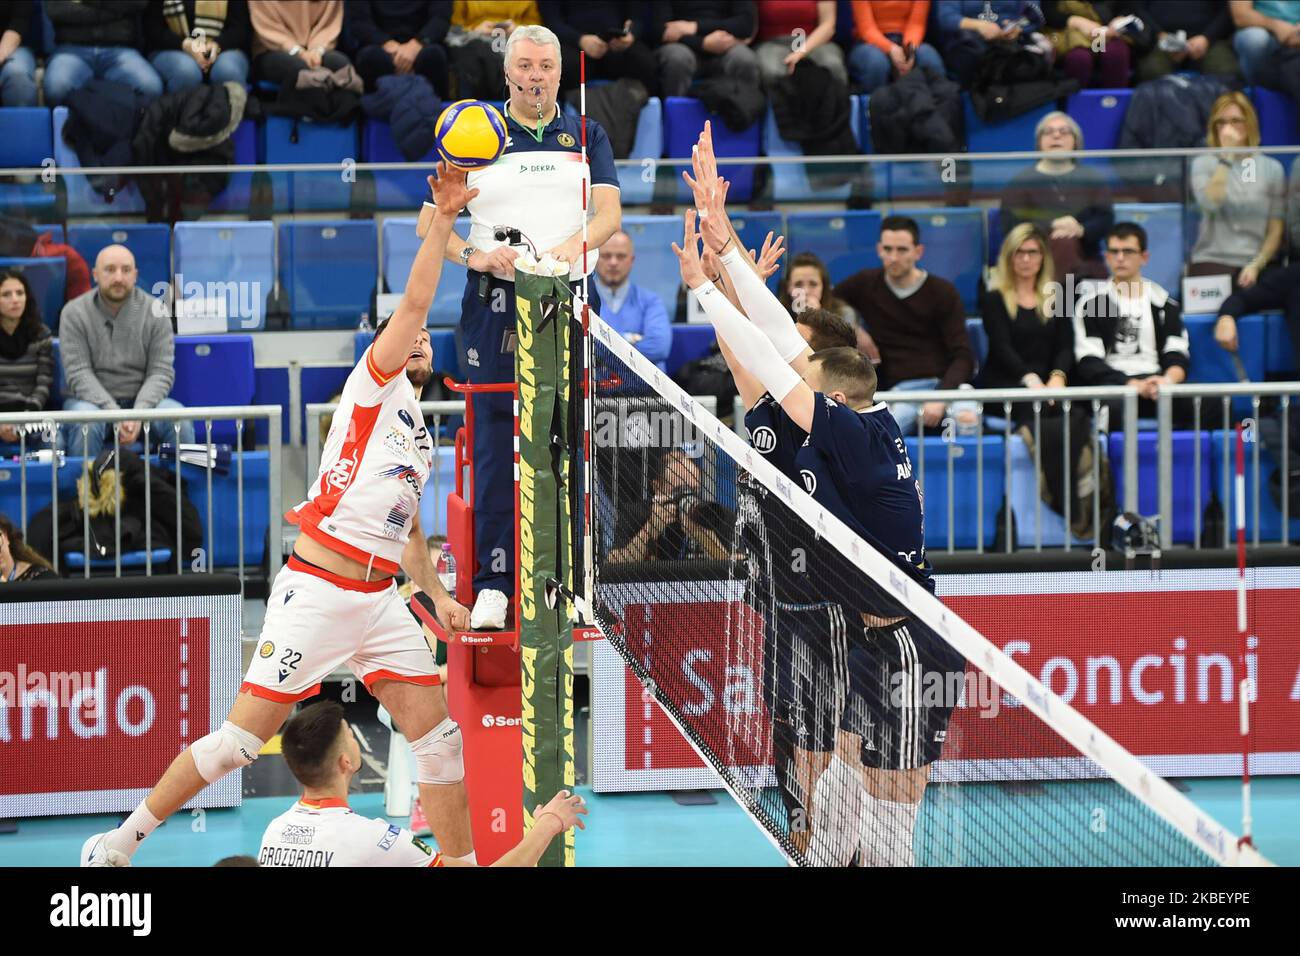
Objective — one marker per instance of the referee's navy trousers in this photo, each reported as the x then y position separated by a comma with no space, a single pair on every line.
487,337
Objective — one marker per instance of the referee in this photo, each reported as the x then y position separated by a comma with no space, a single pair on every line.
530,199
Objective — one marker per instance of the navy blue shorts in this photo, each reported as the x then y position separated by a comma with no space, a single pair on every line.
805,671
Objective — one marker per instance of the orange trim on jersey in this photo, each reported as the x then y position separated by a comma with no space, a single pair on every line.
307,521
381,378
348,584
423,680
437,860
257,690
325,803
335,482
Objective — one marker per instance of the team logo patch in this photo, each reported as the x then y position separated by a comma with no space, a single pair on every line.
266,650
471,356
397,443
565,140
422,846
809,481
396,521
763,439
297,835
390,838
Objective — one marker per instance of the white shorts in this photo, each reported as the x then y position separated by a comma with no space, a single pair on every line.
316,621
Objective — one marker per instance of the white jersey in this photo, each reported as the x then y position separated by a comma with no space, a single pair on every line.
377,457
327,833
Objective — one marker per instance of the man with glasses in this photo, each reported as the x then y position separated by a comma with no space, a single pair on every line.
1128,330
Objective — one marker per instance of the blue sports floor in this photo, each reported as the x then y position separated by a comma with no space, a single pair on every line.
623,829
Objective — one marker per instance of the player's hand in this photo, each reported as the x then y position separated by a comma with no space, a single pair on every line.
769,259
711,211
567,808
1225,332
450,192
932,413
500,262
688,253
1248,275
453,615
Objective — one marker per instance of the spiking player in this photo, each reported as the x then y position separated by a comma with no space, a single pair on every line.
819,425
335,601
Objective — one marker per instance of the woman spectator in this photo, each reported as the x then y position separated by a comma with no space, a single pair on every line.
26,355
789,30
18,562
807,285
885,29
17,64
294,35
1067,201
1031,345
189,42
1093,44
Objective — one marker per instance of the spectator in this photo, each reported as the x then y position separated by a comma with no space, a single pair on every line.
884,30
1064,199
807,285
634,312
1207,25
96,39
26,354
825,330
915,323
967,27
117,352
1089,42
703,38
17,63
18,561
289,37
1240,195
673,524
1263,27
606,30
789,30
1031,345
1129,331
403,37
477,40
189,42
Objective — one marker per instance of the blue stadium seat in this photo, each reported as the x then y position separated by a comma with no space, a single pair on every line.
690,341
993,216
1012,135
328,269
238,193
55,229
1035,522
82,200
1268,517
790,180
954,248
1210,362
864,125
656,265
846,241
76,560
1184,477
394,188
647,144
315,143
234,259
962,510
1279,349
1277,121
1163,223
214,370
1100,115
979,342
684,118
48,278
150,243
443,342
753,227
56,388
398,253
28,137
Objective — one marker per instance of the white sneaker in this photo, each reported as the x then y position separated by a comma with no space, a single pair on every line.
95,853
489,612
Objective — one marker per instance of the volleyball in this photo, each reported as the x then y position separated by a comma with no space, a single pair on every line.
470,134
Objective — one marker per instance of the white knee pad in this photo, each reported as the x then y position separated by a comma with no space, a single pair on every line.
438,757
228,749
836,806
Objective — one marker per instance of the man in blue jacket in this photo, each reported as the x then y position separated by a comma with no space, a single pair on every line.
634,312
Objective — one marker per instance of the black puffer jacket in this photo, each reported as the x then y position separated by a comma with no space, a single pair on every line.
917,113
102,119
411,108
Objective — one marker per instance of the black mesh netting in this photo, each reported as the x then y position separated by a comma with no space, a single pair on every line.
747,628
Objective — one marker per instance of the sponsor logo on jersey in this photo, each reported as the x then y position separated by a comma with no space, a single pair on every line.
940,736
396,521
340,474
809,480
405,416
565,140
297,835
763,439
537,168
288,595
471,356
397,443
408,475
422,846
496,720
390,838
267,648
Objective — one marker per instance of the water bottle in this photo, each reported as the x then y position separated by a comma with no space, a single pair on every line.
447,569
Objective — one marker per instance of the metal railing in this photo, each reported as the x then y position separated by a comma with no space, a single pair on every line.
147,417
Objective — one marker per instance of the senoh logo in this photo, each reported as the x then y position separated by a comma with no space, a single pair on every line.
471,639
496,720
763,439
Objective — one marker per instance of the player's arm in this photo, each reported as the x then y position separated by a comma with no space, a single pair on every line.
748,345
419,568
560,814
393,348
750,389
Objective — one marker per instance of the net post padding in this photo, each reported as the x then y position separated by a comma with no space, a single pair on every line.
1204,832
543,305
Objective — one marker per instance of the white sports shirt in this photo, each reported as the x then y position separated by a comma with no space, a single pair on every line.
377,457
327,833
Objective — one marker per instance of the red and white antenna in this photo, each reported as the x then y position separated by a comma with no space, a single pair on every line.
1246,686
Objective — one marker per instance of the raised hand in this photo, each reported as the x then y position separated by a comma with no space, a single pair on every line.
768,260
688,253
567,808
450,193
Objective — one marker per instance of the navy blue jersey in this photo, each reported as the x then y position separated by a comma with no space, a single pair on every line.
856,466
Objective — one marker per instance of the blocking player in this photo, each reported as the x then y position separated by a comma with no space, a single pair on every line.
823,429
335,600
321,830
